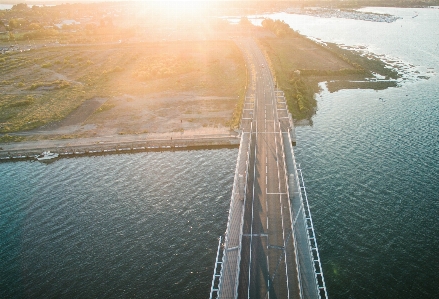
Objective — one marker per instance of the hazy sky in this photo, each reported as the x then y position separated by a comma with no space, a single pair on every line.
76,1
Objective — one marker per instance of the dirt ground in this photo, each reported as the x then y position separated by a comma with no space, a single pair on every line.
169,88
155,116
299,53
175,88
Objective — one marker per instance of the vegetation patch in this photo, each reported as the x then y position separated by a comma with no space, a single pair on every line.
28,100
58,84
162,66
299,64
367,63
376,85
105,107
9,138
61,78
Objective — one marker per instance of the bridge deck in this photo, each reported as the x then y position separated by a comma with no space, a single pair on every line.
263,257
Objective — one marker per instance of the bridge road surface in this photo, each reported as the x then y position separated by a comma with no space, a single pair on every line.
268,265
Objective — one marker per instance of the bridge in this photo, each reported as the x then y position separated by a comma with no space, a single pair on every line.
269,248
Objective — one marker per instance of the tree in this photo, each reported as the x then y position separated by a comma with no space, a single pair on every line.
20,6
14,24
34,26
278,27
245,22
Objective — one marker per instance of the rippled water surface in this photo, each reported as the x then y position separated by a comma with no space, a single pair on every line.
372,170
371,163
121,226
145,225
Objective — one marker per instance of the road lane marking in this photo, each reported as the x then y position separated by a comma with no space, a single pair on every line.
255,235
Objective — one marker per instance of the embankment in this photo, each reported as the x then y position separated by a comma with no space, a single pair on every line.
67,148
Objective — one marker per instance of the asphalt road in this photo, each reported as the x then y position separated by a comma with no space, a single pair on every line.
268,266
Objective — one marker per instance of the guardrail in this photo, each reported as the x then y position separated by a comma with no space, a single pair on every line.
239,193
308,224
214,289
231,213
320,279
243,210
291,215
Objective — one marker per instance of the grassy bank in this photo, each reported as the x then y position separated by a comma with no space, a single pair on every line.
299,64
45,85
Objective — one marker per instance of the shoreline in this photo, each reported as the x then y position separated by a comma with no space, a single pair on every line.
161,116
28,150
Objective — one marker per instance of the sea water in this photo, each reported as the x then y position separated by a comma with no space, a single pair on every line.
145,225
371,162
140,225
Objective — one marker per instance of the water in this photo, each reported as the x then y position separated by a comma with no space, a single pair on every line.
5,6
145,225
121,226
9,6
371,165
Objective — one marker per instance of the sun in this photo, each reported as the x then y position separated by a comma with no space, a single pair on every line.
182,8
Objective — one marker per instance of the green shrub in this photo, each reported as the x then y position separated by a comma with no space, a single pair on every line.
278,27
25,102
60,84
9,138
35,86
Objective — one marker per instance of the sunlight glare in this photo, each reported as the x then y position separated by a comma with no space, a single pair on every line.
182,8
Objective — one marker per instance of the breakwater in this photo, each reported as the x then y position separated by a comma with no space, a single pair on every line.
12,152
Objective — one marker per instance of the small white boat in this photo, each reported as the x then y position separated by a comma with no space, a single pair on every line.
47,155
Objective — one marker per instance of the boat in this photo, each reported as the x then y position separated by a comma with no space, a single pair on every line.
46,155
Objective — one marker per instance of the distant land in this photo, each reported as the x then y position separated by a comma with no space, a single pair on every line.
273,3
129,68
88,70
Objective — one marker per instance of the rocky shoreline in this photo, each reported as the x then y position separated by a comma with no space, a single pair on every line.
344,14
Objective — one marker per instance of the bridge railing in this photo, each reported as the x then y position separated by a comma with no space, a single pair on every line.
313,240
225,284
304,228
298,273
244,191
215,279
216,290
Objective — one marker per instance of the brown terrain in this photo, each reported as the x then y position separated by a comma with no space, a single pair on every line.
155,89
186,85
